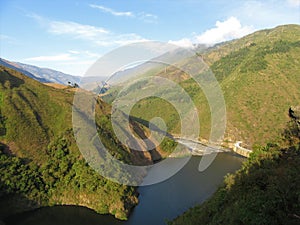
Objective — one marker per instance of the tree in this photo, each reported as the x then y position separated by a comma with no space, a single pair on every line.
73,85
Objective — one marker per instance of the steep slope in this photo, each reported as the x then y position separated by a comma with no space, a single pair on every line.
44,75
288,32
15,66
265,191
51,75
40,162
259,77
260,81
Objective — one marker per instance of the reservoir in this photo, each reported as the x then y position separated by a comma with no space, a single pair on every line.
157,203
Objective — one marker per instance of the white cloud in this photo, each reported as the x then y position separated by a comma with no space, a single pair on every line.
96,35
185,43
111,11
85,54
66,57
143,16
76,29
51,58
224,31
295,3
74,62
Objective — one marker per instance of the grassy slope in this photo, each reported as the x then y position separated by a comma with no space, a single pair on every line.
40,162
265,191
262,85
259,76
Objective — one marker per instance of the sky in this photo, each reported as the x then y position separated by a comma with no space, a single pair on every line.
70,35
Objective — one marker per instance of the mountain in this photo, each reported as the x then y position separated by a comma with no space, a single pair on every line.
264,191
259,78
44,75
15,66
40,163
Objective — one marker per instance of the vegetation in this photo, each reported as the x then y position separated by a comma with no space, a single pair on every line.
259,76
226,65
40,163
264,191
40,160
73,85
151,107
64,179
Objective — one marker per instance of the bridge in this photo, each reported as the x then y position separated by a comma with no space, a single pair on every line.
237,148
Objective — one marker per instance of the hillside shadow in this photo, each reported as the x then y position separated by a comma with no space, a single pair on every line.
5,149
2,130
137,149
150,145
7,78
149,124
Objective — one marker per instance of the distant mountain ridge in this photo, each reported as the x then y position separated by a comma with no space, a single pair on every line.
15,66
44,75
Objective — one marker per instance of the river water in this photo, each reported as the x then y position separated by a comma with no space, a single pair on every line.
165,200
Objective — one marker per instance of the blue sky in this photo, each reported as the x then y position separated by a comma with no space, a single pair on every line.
70,35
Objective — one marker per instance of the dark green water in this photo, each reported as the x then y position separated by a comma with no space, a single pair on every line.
157,203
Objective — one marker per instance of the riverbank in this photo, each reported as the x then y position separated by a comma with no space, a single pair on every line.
264,191
158,202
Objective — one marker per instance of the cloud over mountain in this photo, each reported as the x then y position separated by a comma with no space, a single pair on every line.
224,31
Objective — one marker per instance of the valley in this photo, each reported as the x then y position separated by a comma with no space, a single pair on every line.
43,169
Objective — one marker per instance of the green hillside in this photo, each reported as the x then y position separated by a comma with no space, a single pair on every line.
266,37
260,81
264,191
40,163
259,77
